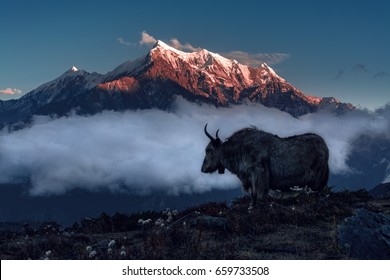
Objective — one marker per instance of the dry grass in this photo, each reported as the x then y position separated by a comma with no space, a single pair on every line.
301,228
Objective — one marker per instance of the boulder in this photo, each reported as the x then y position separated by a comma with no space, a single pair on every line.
366,235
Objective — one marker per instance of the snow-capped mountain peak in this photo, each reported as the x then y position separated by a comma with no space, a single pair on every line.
74,71
272,72
199,58
202,63
160,45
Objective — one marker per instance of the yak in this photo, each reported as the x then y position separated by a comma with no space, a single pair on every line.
264,161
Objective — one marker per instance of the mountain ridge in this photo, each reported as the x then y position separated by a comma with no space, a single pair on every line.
155,79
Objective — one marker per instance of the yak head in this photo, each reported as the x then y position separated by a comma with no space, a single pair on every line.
212,159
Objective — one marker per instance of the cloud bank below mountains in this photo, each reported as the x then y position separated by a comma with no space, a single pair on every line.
150,150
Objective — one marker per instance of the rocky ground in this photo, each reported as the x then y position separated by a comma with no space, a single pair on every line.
313,226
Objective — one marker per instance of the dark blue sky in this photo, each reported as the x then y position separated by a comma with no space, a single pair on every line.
332,48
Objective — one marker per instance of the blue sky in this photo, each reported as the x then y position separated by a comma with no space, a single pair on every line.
331,48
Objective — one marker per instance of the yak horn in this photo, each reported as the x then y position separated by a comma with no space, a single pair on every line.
216,134
208,134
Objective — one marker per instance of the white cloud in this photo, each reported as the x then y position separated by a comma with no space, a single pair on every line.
147,39
386,180
152,150
386,163
123,42
257,58
10,91
186,47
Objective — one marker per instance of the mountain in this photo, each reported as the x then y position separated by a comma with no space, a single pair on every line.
154,80
381,191
69,85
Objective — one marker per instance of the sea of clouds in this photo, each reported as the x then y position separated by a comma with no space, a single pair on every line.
151,150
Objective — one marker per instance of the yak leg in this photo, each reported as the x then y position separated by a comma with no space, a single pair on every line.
251,183
260,184
245,183
252,191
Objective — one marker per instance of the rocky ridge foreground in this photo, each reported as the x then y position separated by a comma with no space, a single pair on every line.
309,227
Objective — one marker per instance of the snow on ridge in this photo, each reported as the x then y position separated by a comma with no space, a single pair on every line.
190,56
314,99
245,73
201,60
162,46
272,71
